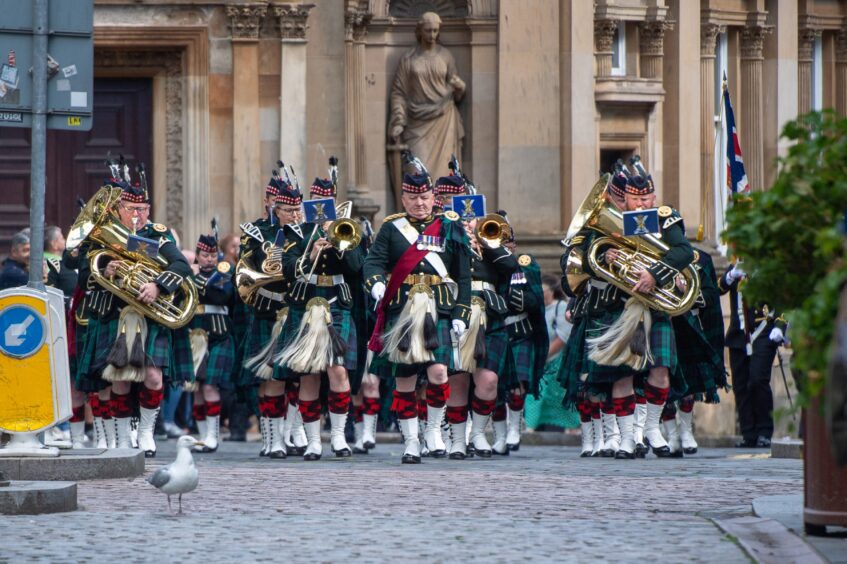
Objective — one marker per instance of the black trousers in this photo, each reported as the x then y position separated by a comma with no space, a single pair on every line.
751,383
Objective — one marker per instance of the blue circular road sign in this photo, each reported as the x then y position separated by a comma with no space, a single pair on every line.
22,331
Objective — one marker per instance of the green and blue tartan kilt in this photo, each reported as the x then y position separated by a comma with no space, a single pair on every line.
386,369
519,365
342,321
256,338
217,367
182,363
701,364
496,349
600,376
570,369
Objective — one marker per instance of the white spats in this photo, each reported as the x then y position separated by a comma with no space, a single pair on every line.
478,439
203,431
100,432
146,424
627,444
432,431
409,429
686,431
313,438
213,433
337,441
78,434
587,439
652,433
276,448
611,435
638,427
369,431
458,440
597,426
500,430
122,432
513,435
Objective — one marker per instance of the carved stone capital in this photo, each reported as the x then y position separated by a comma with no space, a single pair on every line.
651,37
245,20
841,46
806,43
356,25
604,35
753,40
709,38
292,20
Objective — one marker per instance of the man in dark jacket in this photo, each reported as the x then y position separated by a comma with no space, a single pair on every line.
14,269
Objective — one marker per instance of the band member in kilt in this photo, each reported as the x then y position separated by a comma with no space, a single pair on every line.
418,270
269,312
700,342
321,335
212,343
484,349
591,299
528,346
122,345
656,347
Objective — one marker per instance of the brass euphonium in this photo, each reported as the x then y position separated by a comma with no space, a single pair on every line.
634,254
97,223
493,228
248,279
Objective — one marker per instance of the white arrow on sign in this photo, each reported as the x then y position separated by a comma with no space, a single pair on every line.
15,333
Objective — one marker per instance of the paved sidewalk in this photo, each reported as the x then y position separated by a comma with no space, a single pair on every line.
542,503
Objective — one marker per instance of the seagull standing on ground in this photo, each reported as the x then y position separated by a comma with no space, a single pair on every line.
180,476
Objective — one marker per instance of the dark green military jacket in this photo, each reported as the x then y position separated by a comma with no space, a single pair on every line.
258,238
342,269
215,289
452,247
493,268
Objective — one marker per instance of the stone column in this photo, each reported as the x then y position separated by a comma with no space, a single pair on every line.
841,72
805,50
356,29
245,21
708,41
752,102
604,35
651,36
292,100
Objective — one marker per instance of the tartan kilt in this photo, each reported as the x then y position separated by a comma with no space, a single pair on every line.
386,369
570,369
521,360
600,376
663,342
255,339
217,366
90,364
701,365
342,321
496,349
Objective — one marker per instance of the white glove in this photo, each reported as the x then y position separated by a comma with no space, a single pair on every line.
459,327
776,335
378,291
736,273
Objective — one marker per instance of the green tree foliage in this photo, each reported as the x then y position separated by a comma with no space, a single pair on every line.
791,237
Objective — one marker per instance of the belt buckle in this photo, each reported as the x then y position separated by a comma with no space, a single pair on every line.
324,280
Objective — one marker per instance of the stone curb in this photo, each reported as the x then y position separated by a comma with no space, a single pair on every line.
80,464
35,497
789,448
769,541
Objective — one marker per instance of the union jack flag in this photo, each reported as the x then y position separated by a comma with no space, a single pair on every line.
736,177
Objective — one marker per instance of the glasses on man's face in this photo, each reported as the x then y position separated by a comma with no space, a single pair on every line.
136,209
289,211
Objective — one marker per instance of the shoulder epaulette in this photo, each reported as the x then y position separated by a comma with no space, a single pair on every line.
451,215
670,215
54,262
394,216
251,230
295,228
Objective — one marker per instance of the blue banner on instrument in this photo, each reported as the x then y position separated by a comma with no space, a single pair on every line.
469,207
143,245
640,222
318,211
219,280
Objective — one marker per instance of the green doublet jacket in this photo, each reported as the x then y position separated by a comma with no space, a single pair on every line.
255,235
105,305
525,300
494,267
215,291
343,269
389,246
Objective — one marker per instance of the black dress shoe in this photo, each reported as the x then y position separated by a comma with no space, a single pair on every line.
311,457
585,454
440,453
457,455
357,450
149,454
763,442
482,453
297,451
278,454
662,452
641,450
745,443
515,447
343,453
411,459
624,455
207,450
607,453
690,450
675,454
369,445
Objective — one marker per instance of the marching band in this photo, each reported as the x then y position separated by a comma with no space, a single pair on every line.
438,309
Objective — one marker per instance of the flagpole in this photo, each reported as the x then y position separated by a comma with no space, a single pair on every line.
719,193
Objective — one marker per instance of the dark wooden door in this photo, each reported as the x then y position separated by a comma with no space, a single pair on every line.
123,109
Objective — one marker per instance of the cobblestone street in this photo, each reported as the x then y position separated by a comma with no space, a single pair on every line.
542,503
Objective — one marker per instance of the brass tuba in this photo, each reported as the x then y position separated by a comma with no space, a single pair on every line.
635,254
249,279
98,224
493,228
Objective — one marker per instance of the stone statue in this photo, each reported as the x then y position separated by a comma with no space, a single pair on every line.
426,89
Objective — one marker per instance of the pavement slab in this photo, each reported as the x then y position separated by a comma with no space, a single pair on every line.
541,503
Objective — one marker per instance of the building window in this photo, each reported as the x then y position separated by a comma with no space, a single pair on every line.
817,74
619,51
